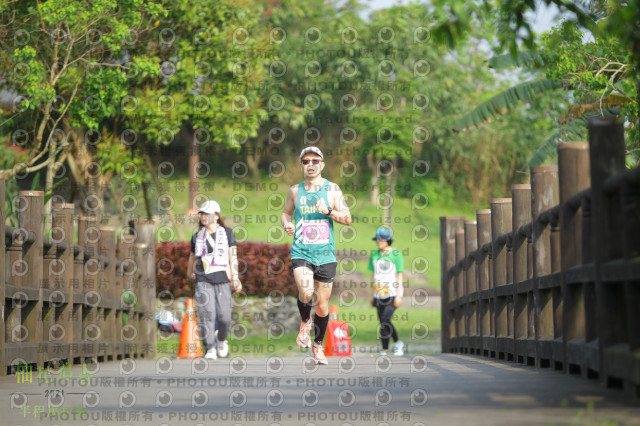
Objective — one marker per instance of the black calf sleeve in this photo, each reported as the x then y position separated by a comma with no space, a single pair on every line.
305,310
320,328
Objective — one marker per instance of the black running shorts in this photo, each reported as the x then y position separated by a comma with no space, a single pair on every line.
324,273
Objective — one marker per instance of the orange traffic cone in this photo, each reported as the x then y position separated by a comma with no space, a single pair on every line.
338,340
333,312
189,338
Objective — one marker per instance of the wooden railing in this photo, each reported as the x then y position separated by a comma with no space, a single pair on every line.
551,276
68,303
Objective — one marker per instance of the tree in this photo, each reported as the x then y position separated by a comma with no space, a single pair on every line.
209,89
591,78
66,63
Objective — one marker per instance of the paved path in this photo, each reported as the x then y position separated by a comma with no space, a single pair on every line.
362,390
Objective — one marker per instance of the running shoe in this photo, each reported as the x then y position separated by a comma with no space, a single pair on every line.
304,336
383,353
211,354
223,349
398,348
318,354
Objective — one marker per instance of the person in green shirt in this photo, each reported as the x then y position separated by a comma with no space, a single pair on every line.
387,266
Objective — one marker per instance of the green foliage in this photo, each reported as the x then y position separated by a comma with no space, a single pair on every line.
594,76
575,130
235,73
505,102
525,59
71,49
72,67
598,72
207,61
506,21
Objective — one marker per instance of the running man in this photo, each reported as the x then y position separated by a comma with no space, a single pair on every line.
315,204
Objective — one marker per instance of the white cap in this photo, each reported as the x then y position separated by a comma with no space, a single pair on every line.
311,149
209,207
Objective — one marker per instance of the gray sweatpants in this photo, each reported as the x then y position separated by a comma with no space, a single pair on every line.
214,307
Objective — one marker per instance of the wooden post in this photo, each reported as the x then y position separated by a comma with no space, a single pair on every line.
448,227
470,245
573,171
31,206
77,283
105,342
88,235
62,232
3,277
146,235
501,224
521,202
484,236
544,195
451,315
50,332
460,290
607,158
127,283
109,290
590,302
460,284
631,215
483,220
556,292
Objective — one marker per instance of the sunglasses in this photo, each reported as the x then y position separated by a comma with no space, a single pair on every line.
314,161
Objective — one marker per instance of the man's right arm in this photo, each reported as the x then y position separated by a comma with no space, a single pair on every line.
287,212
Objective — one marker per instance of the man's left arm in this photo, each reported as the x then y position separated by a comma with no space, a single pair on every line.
339,208
340,212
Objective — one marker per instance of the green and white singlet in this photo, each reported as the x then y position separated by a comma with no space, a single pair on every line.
313,239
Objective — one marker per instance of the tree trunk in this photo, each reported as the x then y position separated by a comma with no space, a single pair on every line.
390,193
375,178
147,206
48,184
188,135
254,154
170,211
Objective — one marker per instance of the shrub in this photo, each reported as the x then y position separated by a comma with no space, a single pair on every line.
172,260
262,268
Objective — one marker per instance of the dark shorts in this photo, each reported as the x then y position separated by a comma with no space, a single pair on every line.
324,273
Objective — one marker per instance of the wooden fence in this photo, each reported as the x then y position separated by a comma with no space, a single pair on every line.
64,303
551,276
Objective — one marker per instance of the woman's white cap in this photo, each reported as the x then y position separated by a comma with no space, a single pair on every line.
209,207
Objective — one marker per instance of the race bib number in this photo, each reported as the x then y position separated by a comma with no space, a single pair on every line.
381,289
315,231
208,266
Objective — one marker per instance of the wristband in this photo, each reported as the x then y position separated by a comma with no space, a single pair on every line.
329,212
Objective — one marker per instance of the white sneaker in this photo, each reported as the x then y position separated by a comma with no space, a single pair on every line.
398,348
211,354
223,349
383,353
318,354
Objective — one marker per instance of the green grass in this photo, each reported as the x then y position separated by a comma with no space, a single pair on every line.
411,324
254,212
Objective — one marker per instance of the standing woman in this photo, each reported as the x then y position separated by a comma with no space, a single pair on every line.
387,265
213,262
